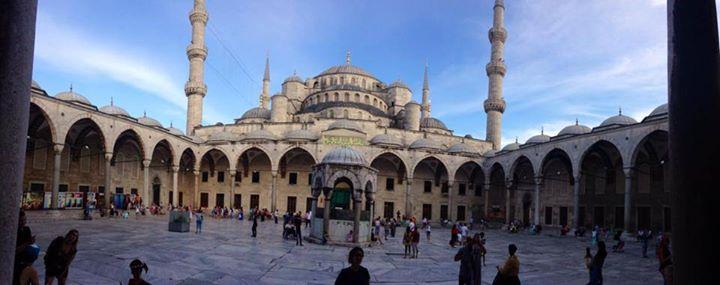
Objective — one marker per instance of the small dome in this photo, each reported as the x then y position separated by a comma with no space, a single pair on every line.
512,146
294,78
398,84
660,110
72,96
412,102
618,120
175,131
345,124
425,144
145,120
114,110
346,68
462,148
490,152
432,123
222,136
260,135
301,135
386,140
541,138
575,129
344,155
35,85
256,113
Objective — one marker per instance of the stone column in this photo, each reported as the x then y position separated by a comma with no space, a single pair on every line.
175,194
327,192
146,181
232,187
538,183
196,190
370,198
17,35
628,199
693,151
273,194
508,185
487,199
450,201
576,202
408,204
108,179
57,156
356,224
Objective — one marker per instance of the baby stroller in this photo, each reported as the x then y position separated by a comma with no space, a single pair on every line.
289,232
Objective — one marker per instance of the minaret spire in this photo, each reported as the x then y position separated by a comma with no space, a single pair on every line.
265,95
425,95
195,88
347,57
495,104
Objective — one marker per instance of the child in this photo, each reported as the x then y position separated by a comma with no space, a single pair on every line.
427,231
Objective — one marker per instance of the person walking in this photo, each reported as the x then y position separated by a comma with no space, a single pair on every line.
415,240
665,259
198,221
254,225
453,236
59,256
470,262
407,240
298,228
275,216
355,274
508,273
595,263
136,268
377,230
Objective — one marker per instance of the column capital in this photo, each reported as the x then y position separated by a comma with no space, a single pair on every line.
450,183
232,172
58,148
175,169
538,180
108,156
629,172
196,172
146,163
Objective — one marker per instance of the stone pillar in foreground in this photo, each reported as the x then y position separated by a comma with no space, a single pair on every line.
538,184
196,189
408,204
576,202
356,222
17,41
175,198
273,194
108,179
486,189
694,155
232,187
57,159
508,186
146,182
627,210
327,192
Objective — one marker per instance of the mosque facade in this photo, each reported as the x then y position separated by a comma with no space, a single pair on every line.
344,138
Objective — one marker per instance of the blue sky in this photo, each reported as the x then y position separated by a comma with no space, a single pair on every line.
569,59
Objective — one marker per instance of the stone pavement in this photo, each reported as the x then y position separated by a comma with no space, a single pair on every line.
226,254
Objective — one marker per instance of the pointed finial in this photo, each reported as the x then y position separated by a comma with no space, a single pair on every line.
516,139
426,84
347,57
542,130
144,114
266,77
71,87
111,101
619,110
576,121
171,124
294,72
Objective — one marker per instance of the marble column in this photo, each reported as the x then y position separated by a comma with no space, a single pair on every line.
273,194
196,189
408,204
17,35
108,179
175,194
628,199
694,97
486,187
576,202
232,173
327,192
508,185
538,184
57,158
356,223
146,181
451,206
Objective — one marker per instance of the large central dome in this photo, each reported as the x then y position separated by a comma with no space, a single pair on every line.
346,69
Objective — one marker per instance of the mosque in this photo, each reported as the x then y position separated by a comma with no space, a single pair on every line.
345,140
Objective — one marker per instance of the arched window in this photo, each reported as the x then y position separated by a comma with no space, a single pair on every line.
367,99
337,97
345,114
347,97
375,102
342,80
364,84
353,81
331,114
315,85
327,98
357,97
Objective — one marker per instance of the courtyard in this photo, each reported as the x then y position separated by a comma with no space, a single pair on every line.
226,254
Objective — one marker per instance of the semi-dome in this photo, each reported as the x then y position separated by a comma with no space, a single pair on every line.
35,85
259,135
619,119
462,148
72,96
386,140
427,144
346,125
575,129
114,110
256,113
293,78
346,69
490,152
222,136
344,155
512,146
398,84
432,123
541,138
660,110
145,120
301,135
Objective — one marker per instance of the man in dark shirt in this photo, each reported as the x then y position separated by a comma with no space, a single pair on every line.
355,274
297,220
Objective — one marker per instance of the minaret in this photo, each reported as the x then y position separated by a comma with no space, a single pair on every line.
195,88
265,96
426,95
495,104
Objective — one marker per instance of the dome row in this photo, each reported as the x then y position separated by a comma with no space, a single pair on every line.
577,129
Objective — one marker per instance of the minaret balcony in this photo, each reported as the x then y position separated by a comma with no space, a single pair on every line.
497,105
496,67
198,15
195,88
497,34
196,51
